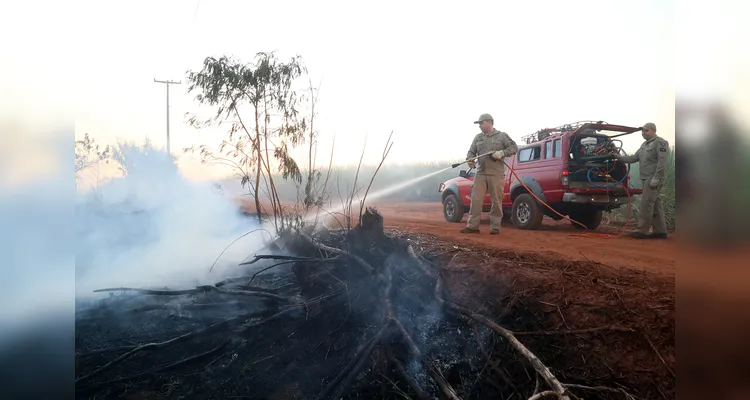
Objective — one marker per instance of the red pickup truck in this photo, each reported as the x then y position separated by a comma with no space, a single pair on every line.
572,168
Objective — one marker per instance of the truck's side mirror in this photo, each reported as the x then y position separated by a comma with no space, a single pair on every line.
463,173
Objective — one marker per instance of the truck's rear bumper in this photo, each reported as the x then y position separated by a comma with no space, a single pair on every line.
596,199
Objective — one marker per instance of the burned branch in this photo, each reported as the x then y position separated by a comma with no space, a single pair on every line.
168,367
537,364
379,313
257,258
233,242
198,289
334,250
151,346
386,150
405,375
606,389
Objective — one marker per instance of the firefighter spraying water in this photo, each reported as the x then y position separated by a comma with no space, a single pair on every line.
575,172
492,146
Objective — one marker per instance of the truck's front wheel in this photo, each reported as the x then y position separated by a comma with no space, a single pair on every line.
453,210
591,217
526,213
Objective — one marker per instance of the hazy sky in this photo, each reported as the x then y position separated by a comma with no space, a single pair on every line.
422,69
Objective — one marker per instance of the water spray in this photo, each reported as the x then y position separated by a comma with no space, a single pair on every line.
382,192
471,159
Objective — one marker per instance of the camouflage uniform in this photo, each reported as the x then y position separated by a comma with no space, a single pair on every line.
490,174
652,156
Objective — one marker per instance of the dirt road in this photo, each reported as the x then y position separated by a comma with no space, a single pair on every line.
552,238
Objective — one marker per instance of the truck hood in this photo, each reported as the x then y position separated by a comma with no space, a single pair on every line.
457,180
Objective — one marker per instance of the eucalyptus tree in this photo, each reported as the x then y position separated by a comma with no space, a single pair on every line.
257,144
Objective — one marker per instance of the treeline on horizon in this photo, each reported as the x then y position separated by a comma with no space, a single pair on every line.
342,178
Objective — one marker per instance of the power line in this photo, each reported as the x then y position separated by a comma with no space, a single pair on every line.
167,83
195,13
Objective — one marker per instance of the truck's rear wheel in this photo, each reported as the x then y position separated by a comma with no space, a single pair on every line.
526,213
453,210
590,217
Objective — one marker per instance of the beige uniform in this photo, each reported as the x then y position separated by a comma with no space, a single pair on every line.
652,157
490,176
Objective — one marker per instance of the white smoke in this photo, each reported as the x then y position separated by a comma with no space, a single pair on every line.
155,228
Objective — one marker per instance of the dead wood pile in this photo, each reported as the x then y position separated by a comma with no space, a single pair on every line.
317,315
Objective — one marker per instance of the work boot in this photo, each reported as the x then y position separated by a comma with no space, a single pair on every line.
639,235
494,231
469,230
658,236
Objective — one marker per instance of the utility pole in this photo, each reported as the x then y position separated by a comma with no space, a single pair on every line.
168,83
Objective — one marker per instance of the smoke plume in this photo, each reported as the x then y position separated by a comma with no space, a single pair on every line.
153,227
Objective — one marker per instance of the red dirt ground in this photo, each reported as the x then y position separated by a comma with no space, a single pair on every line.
553,238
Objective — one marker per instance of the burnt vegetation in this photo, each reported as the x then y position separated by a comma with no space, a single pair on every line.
355,312
352,314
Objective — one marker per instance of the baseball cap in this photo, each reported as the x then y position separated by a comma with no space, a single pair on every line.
649,125
484,117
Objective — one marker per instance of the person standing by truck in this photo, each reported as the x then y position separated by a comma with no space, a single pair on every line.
490,175
652,156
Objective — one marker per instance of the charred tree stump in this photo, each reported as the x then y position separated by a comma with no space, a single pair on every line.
369,232
371,224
